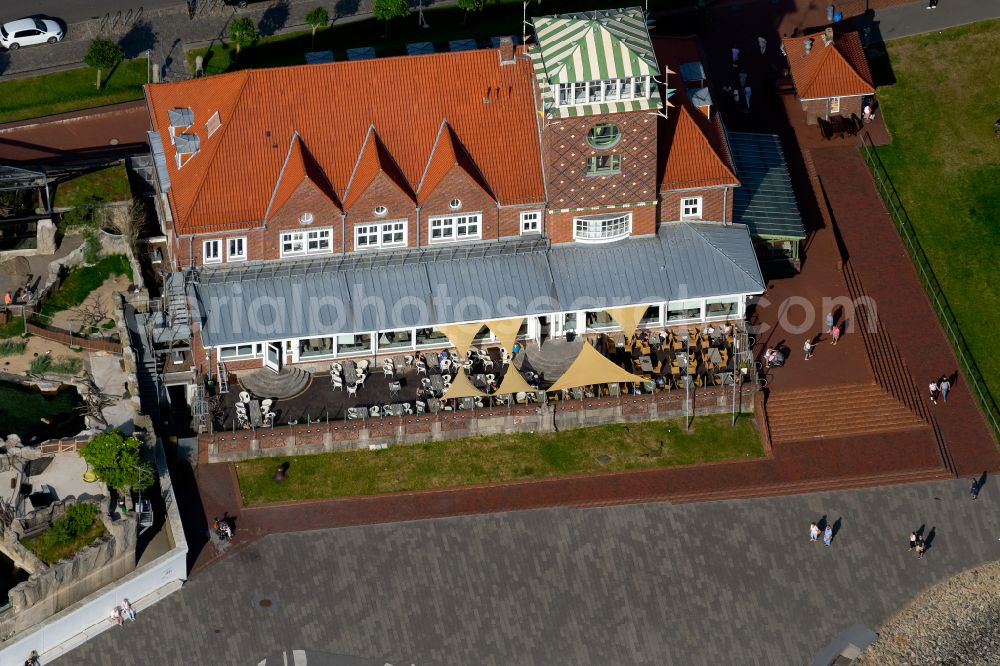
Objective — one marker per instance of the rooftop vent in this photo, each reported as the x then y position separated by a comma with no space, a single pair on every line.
506,51
181,117
808,44
187,145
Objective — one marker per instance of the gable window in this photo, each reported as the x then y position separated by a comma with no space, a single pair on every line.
380,234
455,204
381,211
212,253
603,165
236,249
315,241
602,228
455,228
306,218
531,222
604,135
691,208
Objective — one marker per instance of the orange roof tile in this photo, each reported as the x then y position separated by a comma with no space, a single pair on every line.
373,160
229,184
835,70
299,168
693,151
448,152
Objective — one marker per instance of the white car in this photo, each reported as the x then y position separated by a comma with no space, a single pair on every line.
29,31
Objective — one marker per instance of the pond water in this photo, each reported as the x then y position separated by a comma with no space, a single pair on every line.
22,409
10,576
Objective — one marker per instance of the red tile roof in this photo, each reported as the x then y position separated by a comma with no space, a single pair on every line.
299,168
231,181
373,160
693,151
835,70
448,153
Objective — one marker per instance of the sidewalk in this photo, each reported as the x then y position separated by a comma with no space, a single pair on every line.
915,18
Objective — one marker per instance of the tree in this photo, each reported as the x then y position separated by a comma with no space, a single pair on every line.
95,400
91,314
103,54
470,6
317,18
117,461
386,10
243,33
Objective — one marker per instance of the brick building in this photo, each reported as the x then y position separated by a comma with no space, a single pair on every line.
351,208
830,73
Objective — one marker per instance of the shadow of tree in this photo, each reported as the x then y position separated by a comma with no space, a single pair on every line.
139,39
4,61
345,8
273,19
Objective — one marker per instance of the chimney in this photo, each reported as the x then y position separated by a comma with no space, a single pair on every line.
828,37
808,44
506,50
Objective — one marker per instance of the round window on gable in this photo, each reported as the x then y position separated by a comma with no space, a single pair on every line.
306,218
455,204
381,211
604,135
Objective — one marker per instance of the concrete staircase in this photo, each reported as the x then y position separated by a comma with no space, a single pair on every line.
836,411
290,382
552,360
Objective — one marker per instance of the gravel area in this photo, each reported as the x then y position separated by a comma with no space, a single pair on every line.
954,622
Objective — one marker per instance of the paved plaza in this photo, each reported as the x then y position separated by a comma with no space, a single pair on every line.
706,583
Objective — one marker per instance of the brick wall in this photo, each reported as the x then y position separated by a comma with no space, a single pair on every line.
565,151
716,204
350,435
559,226
819,108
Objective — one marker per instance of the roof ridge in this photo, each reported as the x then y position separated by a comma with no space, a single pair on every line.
281,174
703,237
430,158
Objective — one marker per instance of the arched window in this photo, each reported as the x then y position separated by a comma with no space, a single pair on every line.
603,135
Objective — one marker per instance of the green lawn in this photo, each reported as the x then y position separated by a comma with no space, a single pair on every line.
51,551
110,184
945,162
446,24
14,326
71,90
83,280
498,458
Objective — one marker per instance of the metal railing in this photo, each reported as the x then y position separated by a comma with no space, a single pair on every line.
894,206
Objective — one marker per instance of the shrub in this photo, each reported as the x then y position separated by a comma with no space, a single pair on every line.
66,365
40,365
91,248
81,217
12,347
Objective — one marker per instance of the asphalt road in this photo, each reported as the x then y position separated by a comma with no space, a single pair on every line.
73,11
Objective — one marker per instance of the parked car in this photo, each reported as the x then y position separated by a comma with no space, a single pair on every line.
29,31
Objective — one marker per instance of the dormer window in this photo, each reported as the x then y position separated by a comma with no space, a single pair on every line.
381,211
455,204
306,218
606,90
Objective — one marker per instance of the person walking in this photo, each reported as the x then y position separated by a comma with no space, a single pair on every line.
127,611
808,348
829,322
835,333
913,540
974,489
921,549
813,532
933,387
944,387
828,535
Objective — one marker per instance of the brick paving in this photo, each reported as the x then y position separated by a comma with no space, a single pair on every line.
707,583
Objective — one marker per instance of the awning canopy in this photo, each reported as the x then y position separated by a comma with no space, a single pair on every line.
506,330
461,335
592,367
628,317
461,387
513,382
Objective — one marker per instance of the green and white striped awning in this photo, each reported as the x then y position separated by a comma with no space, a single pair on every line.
591,46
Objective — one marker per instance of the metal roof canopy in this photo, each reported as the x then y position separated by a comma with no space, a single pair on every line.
765,202
693,71
478,282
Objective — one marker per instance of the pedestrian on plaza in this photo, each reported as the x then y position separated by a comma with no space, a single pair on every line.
813,532
746,96
127,611
736,56
829,322
828,535
116,616
974,489
944,387
808,348
762,43
913,540
835,334
933,387
921,549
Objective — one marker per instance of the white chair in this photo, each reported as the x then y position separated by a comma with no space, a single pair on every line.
491,377
388,369
445,364
265,405
467,365
421,367
522,397
407,409
339,367
338,383
352,391
421,407
487,362
394,389
375,411
241,408
425,382
408,360
244,396
479,402
269,419
446,380
361,380
363,365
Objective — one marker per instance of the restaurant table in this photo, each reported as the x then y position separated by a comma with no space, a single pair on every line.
714,356
395,409
467,403
479,381
254,413
357,412
350,373
437,384
433,405
646,364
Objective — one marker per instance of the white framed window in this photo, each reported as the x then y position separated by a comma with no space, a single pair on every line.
531,222
455,204
691,208
380,234
236,249
239,351
306,218
606,90
315,241
834,105
455,228
212,252
604,165
602,228
381,211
